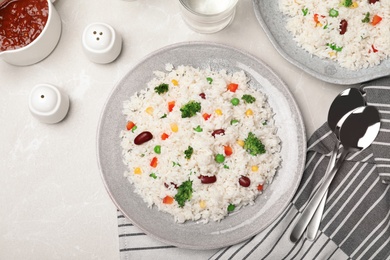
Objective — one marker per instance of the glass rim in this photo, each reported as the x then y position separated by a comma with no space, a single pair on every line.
184,4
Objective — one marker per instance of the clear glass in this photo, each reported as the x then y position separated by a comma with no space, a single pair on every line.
208,16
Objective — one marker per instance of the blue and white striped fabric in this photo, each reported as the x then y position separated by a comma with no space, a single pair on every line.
356,221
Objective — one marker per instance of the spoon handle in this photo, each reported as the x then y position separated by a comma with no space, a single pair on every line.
316,220
312,206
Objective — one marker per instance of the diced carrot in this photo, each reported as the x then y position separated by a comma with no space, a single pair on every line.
164,136
130,125
232,87
376,19
228,150
316,20
206,116
171,105
167,200
260,187
154,161
315,17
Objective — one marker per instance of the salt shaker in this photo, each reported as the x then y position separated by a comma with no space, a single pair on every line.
48,104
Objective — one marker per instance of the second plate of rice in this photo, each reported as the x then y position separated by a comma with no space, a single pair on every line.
304,33
147,149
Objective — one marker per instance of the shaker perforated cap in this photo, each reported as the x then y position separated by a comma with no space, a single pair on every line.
101,43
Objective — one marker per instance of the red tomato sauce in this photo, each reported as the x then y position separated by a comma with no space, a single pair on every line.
21,22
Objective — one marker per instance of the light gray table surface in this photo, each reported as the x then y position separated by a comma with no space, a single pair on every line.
53,201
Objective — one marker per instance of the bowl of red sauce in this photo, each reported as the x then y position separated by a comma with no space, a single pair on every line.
29,30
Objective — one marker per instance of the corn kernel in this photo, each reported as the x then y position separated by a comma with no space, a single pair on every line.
354,5
149,110
240,143
175,82
202,204
332,54
137,170
174,127
249,112
218,112
255,168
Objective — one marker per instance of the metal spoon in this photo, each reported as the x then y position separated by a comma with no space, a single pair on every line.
357,132
345,102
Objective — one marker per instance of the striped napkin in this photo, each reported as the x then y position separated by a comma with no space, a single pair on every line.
378,94
356,220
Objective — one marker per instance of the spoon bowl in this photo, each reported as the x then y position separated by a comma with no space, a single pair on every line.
360,128
345,102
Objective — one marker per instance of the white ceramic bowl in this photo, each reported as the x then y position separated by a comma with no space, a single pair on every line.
42,46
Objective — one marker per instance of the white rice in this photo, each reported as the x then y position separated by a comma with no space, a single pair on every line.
208,201
363,44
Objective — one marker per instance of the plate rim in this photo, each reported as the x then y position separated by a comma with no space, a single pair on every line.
299,118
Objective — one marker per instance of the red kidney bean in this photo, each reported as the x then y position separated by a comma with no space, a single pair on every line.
372,1
218,132
244,181
207,179
202,95
143,137
343,26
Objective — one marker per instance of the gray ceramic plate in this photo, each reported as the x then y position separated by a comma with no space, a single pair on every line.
273,23
243,224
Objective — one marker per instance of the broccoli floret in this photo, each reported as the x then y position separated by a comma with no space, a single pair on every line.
162,88
346,3
188,152
190,109
184,193
366,18
253,145
248,98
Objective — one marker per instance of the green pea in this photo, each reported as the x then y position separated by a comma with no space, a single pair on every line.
219,158
333,12
235,101
157,149
231,207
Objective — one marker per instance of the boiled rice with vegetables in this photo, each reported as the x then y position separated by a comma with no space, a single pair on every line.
354,33
199,144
